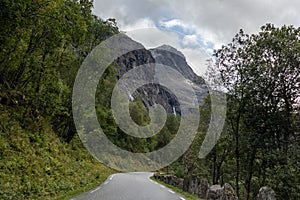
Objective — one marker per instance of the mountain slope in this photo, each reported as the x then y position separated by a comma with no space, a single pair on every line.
154,93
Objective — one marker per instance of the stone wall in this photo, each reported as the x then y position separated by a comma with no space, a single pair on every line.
199,187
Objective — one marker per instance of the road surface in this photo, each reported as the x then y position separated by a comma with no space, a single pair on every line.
130,186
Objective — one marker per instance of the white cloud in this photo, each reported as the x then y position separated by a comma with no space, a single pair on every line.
208,23
190,40
217,20
154,37
192,35
172,23
139,24
197,59
177,23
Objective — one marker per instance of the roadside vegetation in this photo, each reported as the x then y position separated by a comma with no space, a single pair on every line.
42,46
260,143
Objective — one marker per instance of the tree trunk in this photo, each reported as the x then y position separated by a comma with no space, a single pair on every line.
214,165
250,173
237,156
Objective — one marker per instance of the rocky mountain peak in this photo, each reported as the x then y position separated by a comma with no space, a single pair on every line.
154,93
170,49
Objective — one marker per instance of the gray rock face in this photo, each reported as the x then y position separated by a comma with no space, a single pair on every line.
169,56
266,193
152,93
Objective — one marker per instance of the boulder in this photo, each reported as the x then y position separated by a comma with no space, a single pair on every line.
173,180
203,187
215,192
193,185
180,183
266,193
185,184
228,193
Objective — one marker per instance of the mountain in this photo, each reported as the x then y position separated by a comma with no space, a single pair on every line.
154,93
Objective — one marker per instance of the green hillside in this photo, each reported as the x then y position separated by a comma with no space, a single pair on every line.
36,164
42,45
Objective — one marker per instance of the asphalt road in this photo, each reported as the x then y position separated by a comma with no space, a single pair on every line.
130,186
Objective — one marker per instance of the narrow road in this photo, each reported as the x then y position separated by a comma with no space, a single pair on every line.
130,186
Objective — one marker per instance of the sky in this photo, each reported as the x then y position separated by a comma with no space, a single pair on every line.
195,27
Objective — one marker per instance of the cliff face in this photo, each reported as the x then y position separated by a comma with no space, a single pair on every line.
154,93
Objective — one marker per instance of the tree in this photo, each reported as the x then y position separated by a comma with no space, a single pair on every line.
261,77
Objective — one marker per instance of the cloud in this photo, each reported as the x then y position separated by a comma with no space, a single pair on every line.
190,40
177,24
197,59
194,24
218,20
139,24
172,23
154,37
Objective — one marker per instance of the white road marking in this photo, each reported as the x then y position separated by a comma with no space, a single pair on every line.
152,181
95,190
171,191
106,182
111,177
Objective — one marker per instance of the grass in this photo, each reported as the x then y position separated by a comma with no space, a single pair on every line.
179,191
81,190
38,165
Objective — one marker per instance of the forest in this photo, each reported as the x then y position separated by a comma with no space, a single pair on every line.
260,144
43,44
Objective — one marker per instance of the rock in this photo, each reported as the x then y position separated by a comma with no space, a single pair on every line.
266,193
154,93
180,183
171,180
228,193
215,192
193,185
185,184
203,187
170,56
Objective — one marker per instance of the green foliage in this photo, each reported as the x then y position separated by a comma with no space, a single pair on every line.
138,113
42,45
261,75
260,143
37,165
